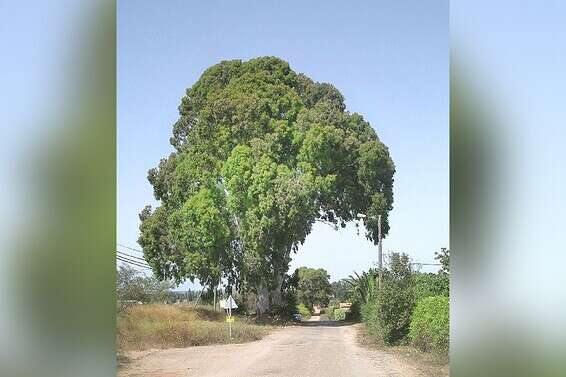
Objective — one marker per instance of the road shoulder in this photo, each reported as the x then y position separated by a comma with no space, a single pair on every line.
404,356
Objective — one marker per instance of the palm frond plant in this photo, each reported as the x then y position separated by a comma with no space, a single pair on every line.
363,287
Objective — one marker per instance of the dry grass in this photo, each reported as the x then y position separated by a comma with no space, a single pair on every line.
430,364
144,327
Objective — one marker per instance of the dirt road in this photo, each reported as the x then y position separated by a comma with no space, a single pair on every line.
317,348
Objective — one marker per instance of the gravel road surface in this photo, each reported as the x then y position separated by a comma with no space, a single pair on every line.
315,348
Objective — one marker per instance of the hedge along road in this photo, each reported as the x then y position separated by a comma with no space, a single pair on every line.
315,348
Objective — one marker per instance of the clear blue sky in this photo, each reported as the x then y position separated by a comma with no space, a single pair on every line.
388,58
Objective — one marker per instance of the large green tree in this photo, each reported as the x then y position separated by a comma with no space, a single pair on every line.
261,153
314,287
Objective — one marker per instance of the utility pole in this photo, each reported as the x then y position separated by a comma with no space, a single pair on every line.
379,251
379,246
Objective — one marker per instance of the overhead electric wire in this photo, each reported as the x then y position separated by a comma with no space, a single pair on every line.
427,264
132,262
130,248
130,256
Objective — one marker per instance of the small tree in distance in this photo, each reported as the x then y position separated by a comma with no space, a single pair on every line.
133,287
341,290
314,287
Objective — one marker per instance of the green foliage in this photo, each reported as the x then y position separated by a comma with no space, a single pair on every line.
332,305
443,256
304,311
369,315
341,290
363,286
388,313
340,314
132,287
363,289
354,314
261,153
429,284
314,287
395,300
430,324
289,292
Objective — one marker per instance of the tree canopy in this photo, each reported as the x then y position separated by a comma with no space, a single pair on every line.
260,154
314,287
131,286
341,290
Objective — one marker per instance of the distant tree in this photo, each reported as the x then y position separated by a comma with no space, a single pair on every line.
444,274
314,286
443,256
132,286
341,290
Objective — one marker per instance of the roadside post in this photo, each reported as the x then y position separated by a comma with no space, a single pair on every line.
379,247
229,304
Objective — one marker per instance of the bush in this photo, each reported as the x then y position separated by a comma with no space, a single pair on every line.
387,313
332,305
354,313
368,313
340,314
304,311
430,325
395,300
428,285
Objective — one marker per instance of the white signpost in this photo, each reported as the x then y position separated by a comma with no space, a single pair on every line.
229,304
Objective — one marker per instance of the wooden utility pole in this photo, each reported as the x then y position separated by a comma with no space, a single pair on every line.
379,251
379,246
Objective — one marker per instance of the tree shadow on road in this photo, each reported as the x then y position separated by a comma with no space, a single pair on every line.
326,323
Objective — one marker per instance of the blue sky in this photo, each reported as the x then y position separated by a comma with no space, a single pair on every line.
388,58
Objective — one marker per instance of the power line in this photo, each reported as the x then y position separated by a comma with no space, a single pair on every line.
130,256
427,264
130,248
422,264
132,262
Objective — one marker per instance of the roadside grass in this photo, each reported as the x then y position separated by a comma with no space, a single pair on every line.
431,364
143,327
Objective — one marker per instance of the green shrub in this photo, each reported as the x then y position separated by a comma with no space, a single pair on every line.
394,307
354,313
304,311
369,317
330,311
387,312
332,305
339,314
430,325
429,284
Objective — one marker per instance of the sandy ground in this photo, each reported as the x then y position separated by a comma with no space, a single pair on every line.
316,348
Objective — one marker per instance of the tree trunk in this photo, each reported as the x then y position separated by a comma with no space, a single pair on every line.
276,294
262,299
